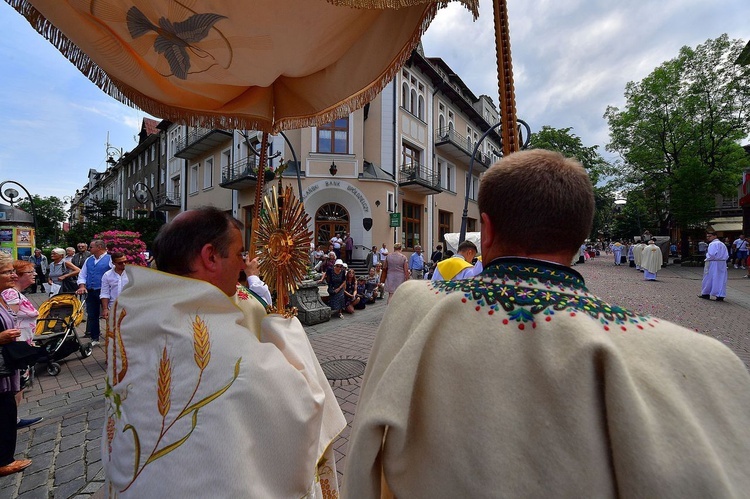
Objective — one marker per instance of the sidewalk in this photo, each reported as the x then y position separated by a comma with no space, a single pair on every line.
65,446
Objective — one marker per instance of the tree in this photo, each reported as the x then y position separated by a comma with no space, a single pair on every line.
571,146
680,130
50,213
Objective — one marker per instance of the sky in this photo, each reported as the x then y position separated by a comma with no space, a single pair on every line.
571,59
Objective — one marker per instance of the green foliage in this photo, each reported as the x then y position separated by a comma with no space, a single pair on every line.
50,214
680,130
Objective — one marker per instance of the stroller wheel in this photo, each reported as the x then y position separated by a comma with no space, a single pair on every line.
86,351
53,369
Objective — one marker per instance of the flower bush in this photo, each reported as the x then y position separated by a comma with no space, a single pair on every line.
125,242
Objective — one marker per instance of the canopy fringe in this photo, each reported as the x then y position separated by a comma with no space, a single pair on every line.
471,5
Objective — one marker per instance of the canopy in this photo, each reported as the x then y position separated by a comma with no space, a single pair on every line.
266,65
452,240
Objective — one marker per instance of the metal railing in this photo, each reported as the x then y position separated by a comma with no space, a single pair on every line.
168,199
243,168
414,172
192,138
449,134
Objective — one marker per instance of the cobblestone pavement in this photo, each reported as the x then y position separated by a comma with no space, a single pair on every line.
65,447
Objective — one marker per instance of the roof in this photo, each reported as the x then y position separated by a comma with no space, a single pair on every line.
148,127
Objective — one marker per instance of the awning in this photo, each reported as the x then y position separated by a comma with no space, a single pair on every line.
726,224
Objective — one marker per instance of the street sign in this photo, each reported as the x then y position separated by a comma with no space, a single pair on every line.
395,220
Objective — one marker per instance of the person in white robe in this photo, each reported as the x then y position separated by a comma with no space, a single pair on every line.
617,251
651,260
637,252
521,383
715,269
206,395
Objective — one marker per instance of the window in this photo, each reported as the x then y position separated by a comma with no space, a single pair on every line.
334,137
208,173
389,202
405,95
152,180
175,187
420,108
162,176
444,224
471,224
446,172
411,155
412,224
153,152
194,179
473,186
413,102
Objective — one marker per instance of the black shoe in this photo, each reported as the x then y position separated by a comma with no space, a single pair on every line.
705,297
719,298
23,423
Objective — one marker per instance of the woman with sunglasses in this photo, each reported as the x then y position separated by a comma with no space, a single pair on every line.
10,382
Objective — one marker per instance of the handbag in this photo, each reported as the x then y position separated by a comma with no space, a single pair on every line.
383,274
19,355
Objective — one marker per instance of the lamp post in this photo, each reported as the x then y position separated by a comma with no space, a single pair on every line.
524,144
143,195
10,195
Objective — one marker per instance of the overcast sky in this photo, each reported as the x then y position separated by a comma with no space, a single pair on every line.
571,59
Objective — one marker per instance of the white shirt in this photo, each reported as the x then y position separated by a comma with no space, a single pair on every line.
337,242
112,284
740,245
260,288
383,253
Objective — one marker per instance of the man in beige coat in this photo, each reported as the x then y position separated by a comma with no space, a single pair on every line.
521,383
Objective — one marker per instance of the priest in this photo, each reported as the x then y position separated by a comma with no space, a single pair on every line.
651,260
206,395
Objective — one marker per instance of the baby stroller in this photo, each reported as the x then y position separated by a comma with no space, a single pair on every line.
56,329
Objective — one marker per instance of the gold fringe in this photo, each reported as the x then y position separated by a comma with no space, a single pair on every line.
471,5
131,97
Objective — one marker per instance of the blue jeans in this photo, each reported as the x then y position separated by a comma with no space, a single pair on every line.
93,310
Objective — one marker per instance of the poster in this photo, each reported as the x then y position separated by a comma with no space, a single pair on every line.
6,235
23,237
23,253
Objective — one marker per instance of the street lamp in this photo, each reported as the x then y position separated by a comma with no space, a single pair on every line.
333,169
10,195
111,151
142,195
524,144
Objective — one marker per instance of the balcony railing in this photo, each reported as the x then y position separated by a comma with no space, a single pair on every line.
168,200
448,135
200,141
418,177
240,174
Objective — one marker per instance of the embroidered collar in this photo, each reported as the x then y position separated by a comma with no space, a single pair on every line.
523,291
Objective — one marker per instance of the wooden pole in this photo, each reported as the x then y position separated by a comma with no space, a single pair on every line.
509,129
258,194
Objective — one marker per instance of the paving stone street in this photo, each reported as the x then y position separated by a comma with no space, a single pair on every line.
65,447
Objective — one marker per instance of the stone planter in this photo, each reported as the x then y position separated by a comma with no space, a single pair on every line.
310,308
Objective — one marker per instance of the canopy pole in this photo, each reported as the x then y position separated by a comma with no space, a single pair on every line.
509,129
258,194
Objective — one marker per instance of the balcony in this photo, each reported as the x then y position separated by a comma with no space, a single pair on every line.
418,178
167,202
200,141
240,175
458,146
